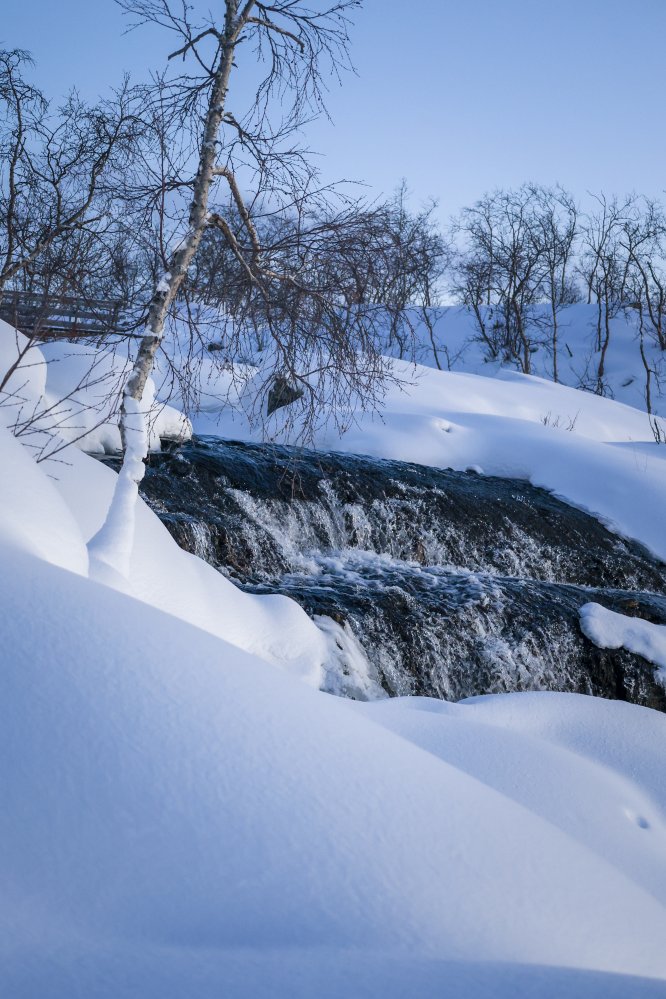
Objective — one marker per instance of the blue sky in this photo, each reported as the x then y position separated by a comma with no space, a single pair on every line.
457,97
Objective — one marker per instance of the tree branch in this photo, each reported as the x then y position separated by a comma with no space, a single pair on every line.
193,41
271,26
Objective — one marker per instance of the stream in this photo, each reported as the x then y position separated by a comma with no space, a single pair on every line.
427,581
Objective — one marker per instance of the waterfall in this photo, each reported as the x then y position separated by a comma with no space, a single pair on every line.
424,581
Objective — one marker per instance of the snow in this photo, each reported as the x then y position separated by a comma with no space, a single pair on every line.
111,547
610,630
183,815
35,519
73,389
163,284
174,803
546,753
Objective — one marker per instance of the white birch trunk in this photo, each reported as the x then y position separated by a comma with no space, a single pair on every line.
113,543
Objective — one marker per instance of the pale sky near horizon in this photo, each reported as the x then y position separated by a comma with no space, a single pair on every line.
457,97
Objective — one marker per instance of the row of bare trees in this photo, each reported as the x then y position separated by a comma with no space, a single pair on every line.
94,198
526,254
95,202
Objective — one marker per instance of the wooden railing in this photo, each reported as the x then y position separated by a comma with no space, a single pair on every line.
46,317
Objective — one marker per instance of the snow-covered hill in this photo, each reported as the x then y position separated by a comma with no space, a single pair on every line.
452,341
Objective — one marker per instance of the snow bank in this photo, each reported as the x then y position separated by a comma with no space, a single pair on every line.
546,752
85,384
22,368
34,517
460,348
70,393
610,630
55,508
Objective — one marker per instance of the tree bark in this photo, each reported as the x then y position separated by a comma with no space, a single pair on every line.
112,545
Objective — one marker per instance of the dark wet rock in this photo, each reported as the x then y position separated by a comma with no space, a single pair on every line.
454,584
282,393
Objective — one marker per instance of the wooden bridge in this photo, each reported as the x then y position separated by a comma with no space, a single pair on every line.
45,317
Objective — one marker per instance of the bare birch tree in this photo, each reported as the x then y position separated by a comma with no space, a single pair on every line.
556,231
515,269
230,170
503,266
643,240
643,243
605,267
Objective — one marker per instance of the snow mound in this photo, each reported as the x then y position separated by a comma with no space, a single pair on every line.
54,508
34,516
610,630
61,392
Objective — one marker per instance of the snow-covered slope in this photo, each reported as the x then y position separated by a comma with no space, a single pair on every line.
456,345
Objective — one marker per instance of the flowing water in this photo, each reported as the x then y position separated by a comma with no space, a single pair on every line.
425,581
